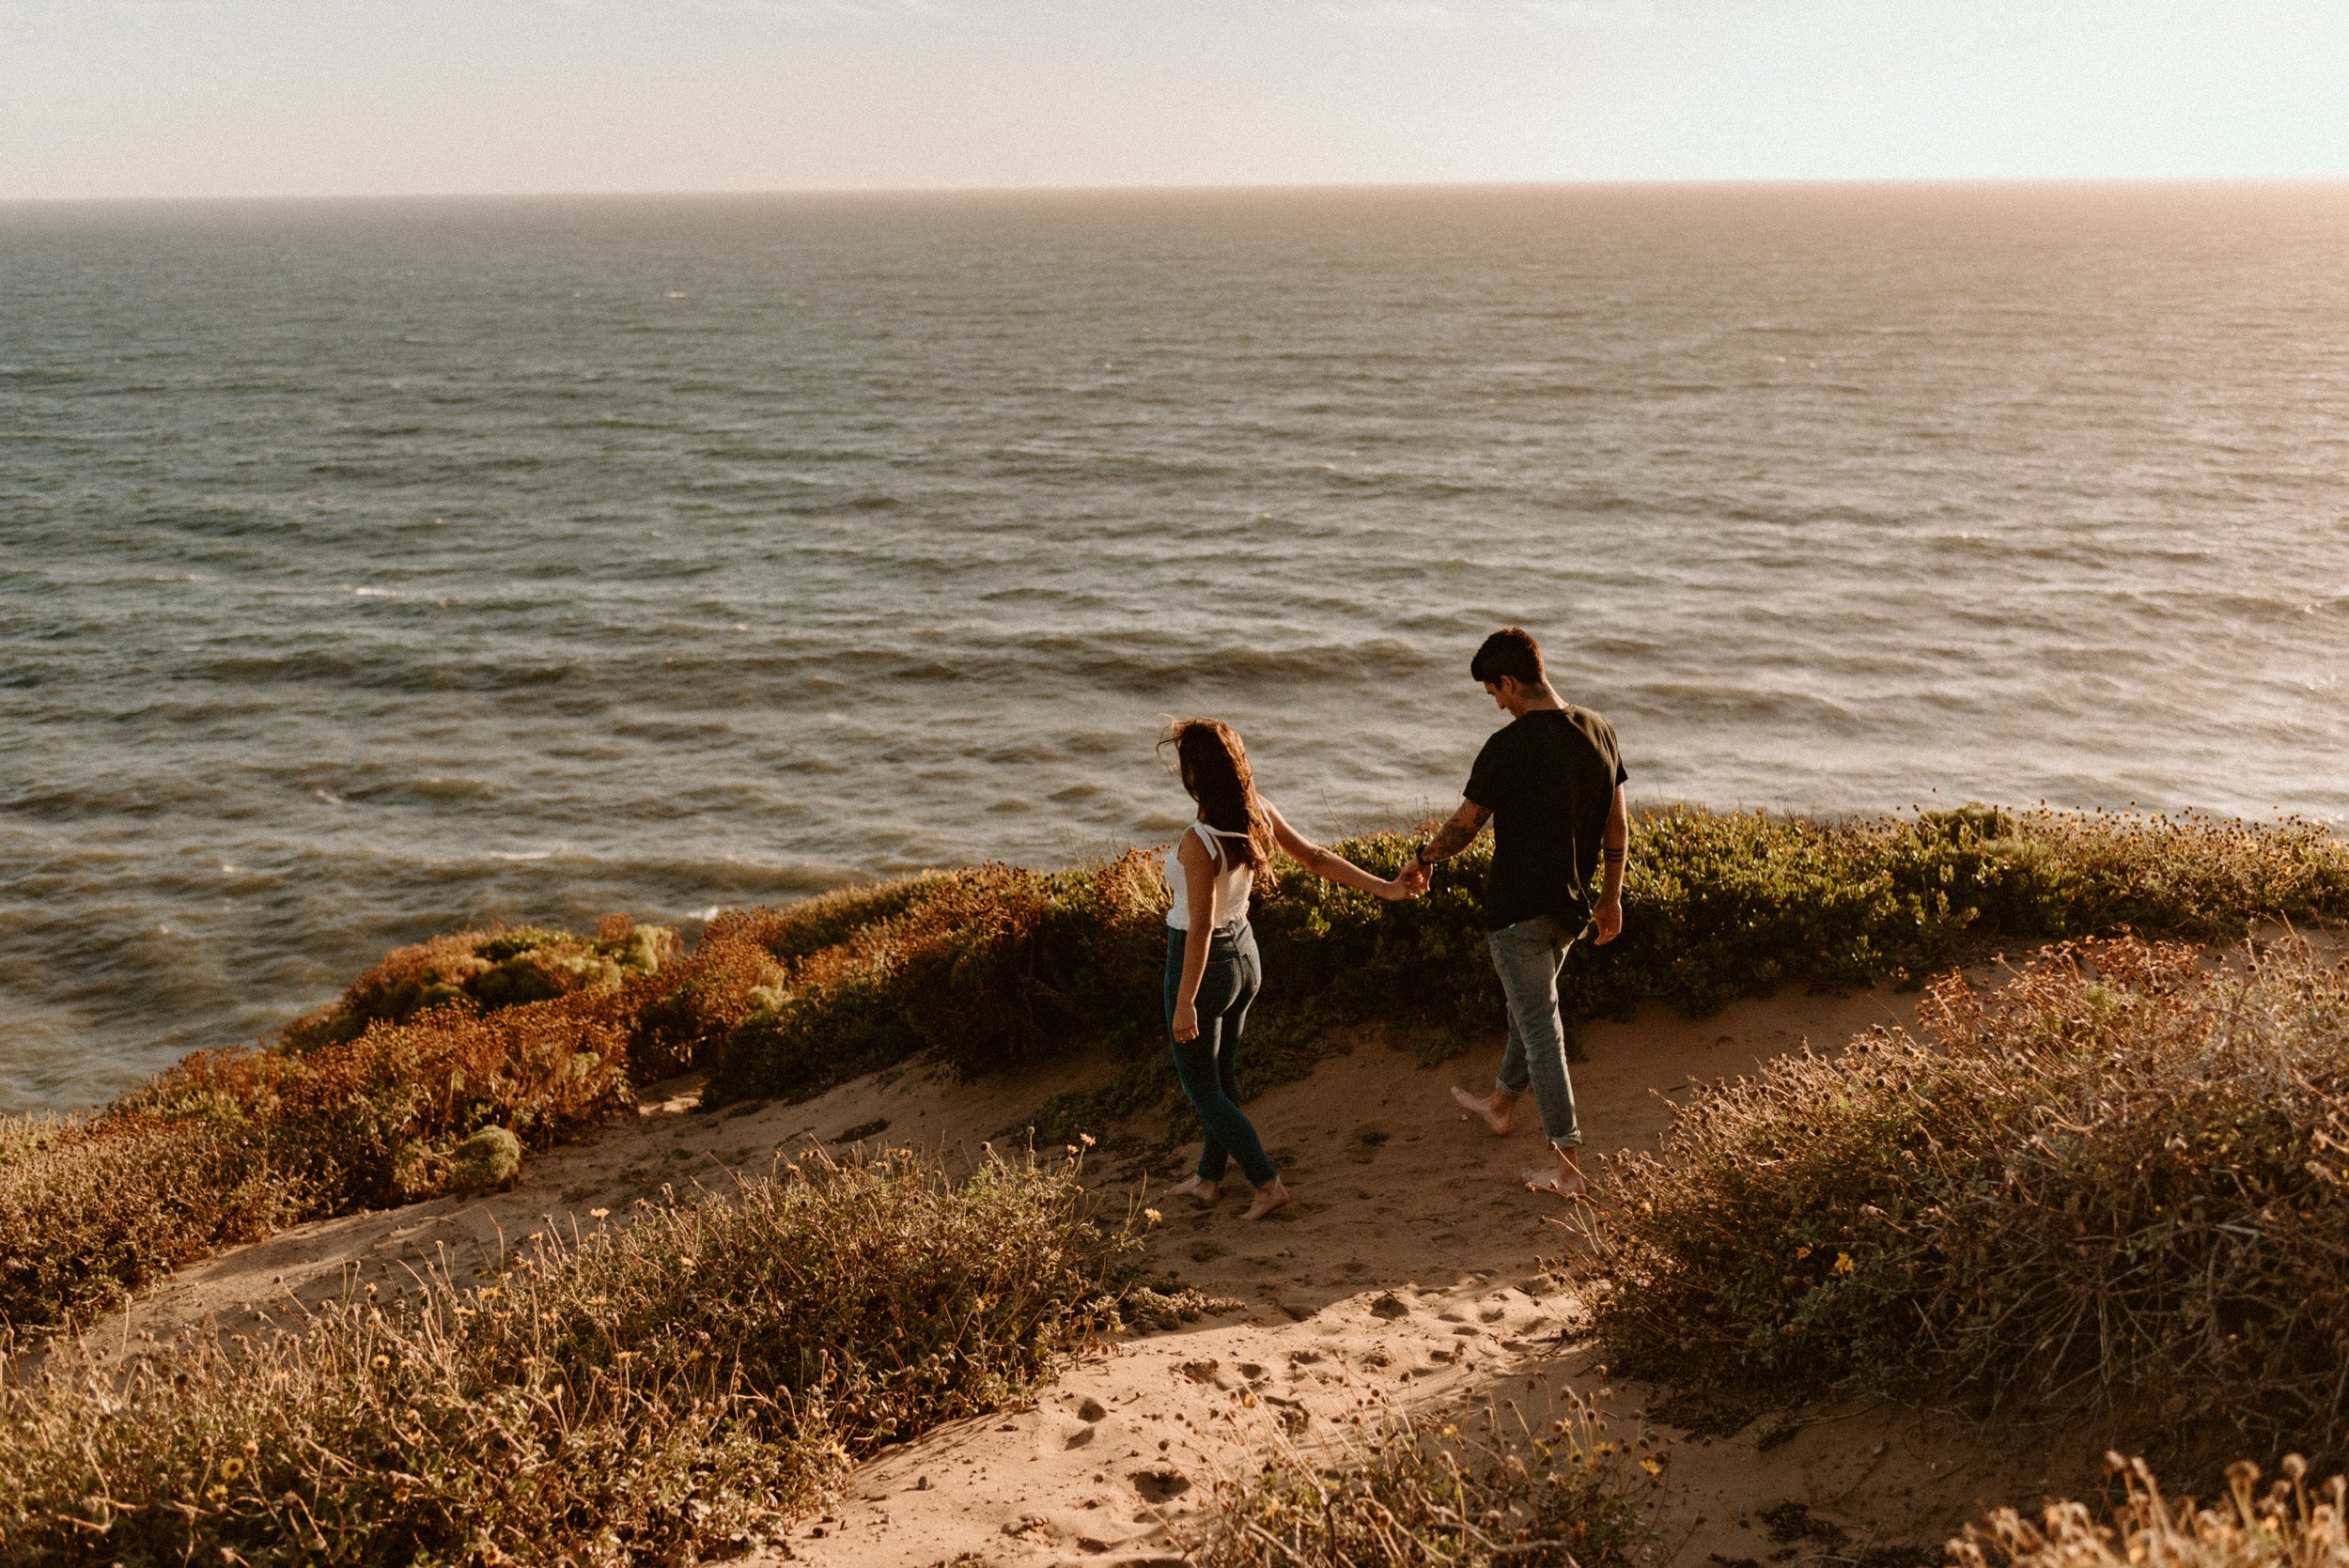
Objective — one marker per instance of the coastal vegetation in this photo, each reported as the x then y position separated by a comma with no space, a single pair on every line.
663,1391
2110,1186
367,1101
1485,1488
2115,1185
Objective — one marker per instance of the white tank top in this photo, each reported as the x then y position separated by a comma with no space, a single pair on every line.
1235,880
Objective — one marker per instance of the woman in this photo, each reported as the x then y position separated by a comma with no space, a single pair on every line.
1212,968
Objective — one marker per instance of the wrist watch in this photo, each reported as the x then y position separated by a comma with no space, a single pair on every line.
1419,856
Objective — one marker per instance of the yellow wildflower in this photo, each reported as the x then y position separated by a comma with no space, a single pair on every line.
1802,1251
1652,1465
1844,1263
231,1468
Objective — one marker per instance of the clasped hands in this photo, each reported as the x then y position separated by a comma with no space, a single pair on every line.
1410,882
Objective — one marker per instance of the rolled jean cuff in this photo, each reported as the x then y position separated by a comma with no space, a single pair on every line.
1571,1141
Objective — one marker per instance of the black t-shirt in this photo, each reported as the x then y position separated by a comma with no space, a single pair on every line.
1550,780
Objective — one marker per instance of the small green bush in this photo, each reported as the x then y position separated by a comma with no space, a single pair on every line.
2115,1185
484,970
661,1392
485,1160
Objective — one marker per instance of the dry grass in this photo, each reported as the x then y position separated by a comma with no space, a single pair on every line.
89,1217
2289,1526
2118,1184
655,1394
1482,1490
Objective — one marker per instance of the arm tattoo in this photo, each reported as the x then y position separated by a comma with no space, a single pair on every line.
1450,839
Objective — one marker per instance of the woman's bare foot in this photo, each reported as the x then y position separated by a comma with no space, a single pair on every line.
1498,1110
1570,1187
1269,1197
1564,1179
1198,1189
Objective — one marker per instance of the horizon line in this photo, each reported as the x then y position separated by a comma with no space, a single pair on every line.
1236,188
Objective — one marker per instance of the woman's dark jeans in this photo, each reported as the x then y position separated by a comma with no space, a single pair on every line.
1206,1062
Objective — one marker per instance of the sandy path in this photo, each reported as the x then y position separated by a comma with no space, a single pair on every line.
1407,1274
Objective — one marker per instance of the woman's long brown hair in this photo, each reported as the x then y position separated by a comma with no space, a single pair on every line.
1215,771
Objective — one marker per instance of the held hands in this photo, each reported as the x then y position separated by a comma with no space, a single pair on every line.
1410,882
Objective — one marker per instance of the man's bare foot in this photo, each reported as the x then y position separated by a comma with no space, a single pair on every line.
1497,1111
1269,1197
1198,1189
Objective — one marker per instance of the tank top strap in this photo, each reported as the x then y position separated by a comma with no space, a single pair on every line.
1212,838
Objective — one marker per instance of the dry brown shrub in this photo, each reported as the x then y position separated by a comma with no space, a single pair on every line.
2116,1182
370,1121
1477,1490
2289,1526
661,1392
233,1143
681,1010
990,967
103,1210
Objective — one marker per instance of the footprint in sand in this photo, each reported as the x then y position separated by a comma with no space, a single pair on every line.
1160,1485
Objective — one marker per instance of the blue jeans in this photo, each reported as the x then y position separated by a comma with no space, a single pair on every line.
1206,1062
1527,956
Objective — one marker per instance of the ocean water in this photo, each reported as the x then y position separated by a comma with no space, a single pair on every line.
367,569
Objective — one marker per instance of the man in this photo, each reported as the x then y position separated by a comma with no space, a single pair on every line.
1550,782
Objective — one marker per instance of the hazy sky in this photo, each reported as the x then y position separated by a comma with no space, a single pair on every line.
102,98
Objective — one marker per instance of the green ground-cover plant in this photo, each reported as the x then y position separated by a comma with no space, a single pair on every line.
659,1393
2290,1525
2116,1185
1483,1489
1721,904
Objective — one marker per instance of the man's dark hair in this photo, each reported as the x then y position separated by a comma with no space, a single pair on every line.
1509,652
